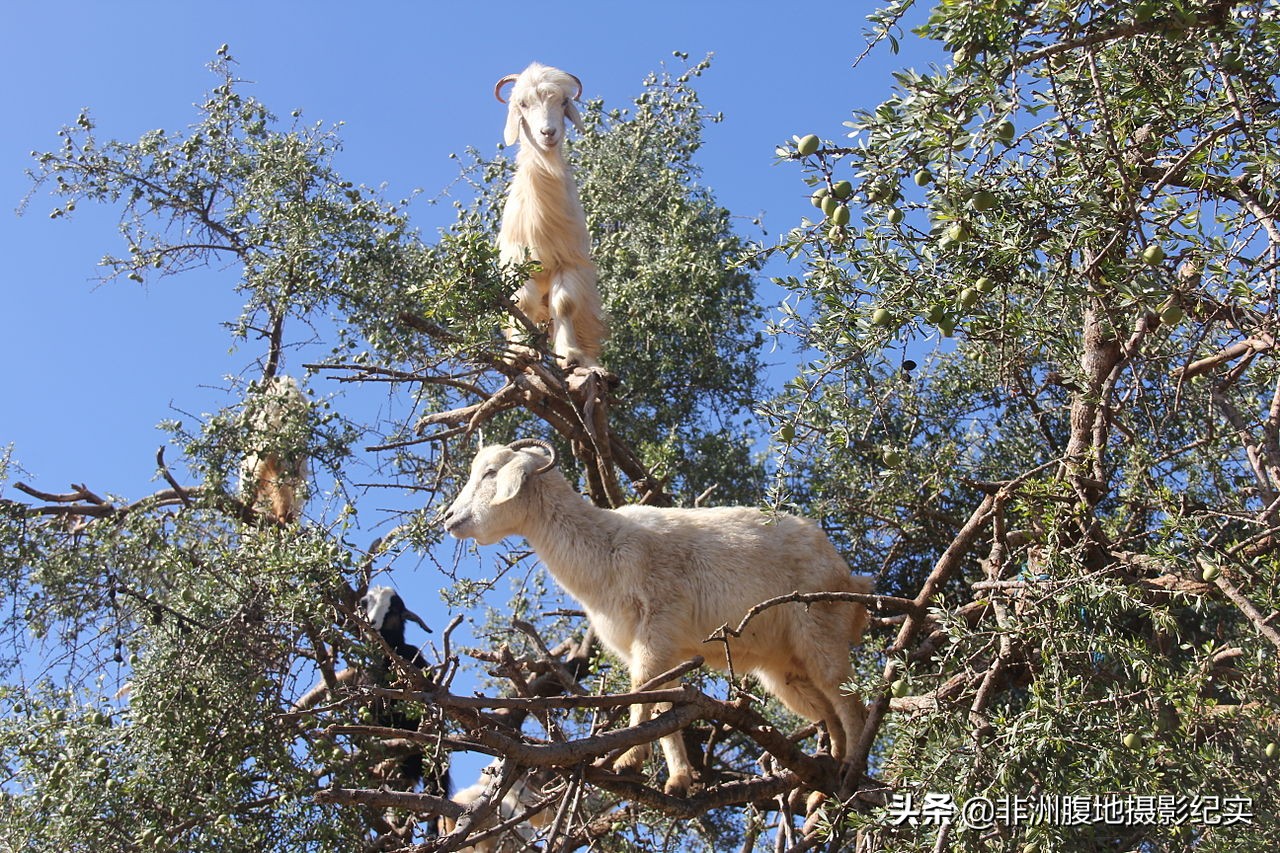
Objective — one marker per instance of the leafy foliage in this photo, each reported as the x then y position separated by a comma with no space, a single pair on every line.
1061,292
1039,403
163,654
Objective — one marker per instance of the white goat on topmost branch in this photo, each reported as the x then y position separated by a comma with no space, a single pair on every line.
543,219
656,582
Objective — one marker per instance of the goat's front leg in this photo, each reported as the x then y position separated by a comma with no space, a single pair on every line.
647,663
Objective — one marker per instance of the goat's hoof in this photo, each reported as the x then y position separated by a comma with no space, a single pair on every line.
678,785
632,761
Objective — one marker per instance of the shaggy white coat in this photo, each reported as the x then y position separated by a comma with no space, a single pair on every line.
656,582
543,218
519,797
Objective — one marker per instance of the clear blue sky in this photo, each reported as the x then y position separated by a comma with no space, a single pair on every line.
88,371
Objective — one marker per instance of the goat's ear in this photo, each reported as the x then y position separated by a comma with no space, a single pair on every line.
509,481
512,133
571,110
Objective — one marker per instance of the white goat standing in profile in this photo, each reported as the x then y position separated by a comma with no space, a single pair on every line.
273,477
657,582
543,219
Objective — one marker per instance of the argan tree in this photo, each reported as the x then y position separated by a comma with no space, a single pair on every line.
184,670
1041,292
1037,401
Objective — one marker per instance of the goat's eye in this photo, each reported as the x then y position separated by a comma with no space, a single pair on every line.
487,474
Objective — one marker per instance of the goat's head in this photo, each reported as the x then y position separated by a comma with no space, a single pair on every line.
386,612
489,508
540,102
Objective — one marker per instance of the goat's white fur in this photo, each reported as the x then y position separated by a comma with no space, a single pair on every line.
519,797
274,475
656,582
543,218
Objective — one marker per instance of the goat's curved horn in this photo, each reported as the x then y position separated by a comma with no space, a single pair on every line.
579,82
414,617
522,443
497,87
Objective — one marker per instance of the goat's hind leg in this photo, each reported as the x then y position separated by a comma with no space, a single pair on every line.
577,317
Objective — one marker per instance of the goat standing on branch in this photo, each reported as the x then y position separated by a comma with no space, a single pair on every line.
274,475
543,219
657,582
386,612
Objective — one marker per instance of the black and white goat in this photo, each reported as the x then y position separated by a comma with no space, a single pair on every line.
386,612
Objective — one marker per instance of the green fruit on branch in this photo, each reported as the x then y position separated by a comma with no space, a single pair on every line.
983,200
808,145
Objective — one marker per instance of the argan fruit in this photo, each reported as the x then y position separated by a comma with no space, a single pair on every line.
895,216
1153,255
818,195
808,145
829,205
947,325
1132,740
969,297
1210,573
923,177
1004,131
899,688
1172,315
882,316
840,216
842,189
983,200
1272,750
984,285
935,315
787,432
959,232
